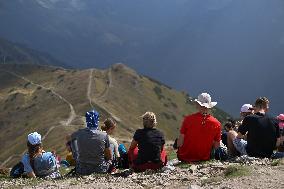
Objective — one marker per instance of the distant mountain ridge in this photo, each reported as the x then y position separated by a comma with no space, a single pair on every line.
13,53
219,46
53,101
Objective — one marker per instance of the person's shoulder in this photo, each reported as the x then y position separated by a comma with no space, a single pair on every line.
232,133
190,117
158,131
25,158
79,131
214,121
140,131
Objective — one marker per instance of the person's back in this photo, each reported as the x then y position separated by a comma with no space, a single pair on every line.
90,147
200,131
146,150
231,134
44,164
232,151
150,142
37,162
262,134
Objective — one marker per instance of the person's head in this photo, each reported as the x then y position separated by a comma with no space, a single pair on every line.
261,104
34,145
230,125
109,126
149,120
281,121
246,110
204,103
92,119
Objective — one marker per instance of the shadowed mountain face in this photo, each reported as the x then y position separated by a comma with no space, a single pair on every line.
231,48
53,101
12,53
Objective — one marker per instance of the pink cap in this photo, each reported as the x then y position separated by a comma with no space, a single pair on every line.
281,118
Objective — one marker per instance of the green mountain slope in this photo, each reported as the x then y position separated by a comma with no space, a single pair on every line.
53,101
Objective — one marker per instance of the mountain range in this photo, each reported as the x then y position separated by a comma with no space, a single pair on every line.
230,48
53,101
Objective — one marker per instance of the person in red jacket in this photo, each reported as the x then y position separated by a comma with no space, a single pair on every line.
199,133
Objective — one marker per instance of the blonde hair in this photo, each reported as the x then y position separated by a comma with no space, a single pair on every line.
149,120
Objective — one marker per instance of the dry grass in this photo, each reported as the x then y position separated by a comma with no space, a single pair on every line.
37,109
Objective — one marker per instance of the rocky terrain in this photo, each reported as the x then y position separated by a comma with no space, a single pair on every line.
239,173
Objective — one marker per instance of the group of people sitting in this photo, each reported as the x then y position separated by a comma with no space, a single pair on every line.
95,151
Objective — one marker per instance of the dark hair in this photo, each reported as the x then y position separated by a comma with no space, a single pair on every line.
261,102
231,124
108,124
33,150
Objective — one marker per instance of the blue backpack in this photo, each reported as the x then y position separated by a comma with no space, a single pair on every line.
45,164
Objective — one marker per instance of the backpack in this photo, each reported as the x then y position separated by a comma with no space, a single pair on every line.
221,154
17,171
45,164
123,160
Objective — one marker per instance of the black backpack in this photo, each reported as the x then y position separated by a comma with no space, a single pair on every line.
221,154
17,171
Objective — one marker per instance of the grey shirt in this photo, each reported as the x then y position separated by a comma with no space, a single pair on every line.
88,147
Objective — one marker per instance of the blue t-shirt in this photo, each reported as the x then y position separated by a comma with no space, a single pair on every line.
44,164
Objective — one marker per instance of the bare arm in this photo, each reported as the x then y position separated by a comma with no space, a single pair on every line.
133,144
31,175
180,140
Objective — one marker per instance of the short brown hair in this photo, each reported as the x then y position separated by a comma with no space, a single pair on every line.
261,103
108,123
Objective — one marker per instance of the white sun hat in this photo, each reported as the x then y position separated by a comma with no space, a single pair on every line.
204,99
246,108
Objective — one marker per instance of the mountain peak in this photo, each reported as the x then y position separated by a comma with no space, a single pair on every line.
120,67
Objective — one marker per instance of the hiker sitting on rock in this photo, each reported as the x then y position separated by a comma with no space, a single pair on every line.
108,127
69,160
231,134
37,162
199,132
262,132
91,147
147,147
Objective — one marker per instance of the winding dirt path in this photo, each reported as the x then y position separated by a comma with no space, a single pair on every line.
109,85
72,113
103,94
89,91
71,117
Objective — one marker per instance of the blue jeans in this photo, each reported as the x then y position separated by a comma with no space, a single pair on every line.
240,145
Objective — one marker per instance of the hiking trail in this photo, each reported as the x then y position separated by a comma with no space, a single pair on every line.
89,91
71,117
100,98
72,113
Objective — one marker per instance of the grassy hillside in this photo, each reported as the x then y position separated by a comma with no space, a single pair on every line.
53,101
